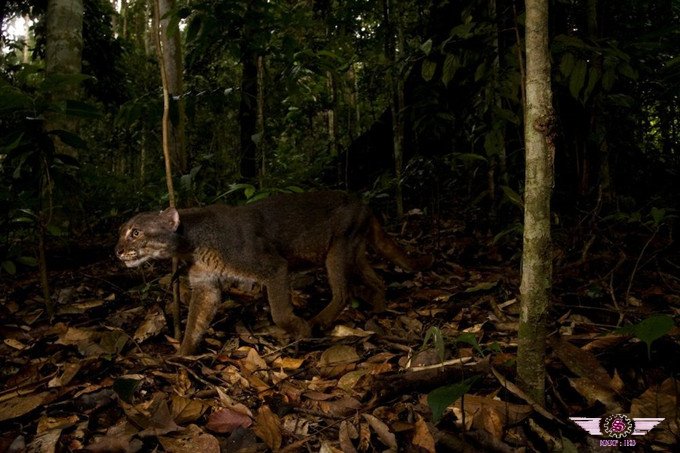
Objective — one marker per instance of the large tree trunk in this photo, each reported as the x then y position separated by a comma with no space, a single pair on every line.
63,50
539,151
171,47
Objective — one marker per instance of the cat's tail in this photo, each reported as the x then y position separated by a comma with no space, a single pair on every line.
389,248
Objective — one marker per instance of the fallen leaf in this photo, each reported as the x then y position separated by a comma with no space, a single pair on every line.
342,407
288,363
252,362
580,362
349,380
45,442
268,428
226,420
490,420
341,331
593,391
22,405
15,344
191,439
345,436
422,436
186,410
382,430
70,371
56,423
657,401
328,448
337,360
79,307
153,324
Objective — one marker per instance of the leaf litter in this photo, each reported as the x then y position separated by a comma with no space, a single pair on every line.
434,372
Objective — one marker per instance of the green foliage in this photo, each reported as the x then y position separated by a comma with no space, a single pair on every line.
252,193
435,334
650,329
441,398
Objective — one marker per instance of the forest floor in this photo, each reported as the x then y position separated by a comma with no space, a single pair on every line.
103,375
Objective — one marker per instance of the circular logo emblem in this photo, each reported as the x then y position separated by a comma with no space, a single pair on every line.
617,426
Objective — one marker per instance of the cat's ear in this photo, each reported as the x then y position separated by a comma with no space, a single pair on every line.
171,217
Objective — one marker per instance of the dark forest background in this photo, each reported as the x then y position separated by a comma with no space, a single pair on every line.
325,120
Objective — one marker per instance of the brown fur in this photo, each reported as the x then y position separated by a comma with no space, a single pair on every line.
264,241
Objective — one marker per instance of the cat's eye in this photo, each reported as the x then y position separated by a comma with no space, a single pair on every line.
135,232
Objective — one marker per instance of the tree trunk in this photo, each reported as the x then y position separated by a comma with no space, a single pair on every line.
392,27
171,47
536,255
63,50
260,119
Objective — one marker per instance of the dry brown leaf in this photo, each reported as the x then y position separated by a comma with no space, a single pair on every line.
252,361
593,391
490,420
382,430
337,360
340,408
226,420
15,344
51,423
22,405
422,436
657,401
45,442
185,410
345,436
294,424
341,331
288,363
79,307
192,439
515,412
76,336
268,428
605,342
153,324
326,447
349,380
580,362
70,371
364,436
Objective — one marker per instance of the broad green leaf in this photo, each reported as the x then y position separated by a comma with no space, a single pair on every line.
567,64
426,47
471,339
9,267
650,329
593,78
81,109
513,196
441,398
428,69
435,334
451,65
578,78
27,261
608,79
70,138
658,215
14,142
